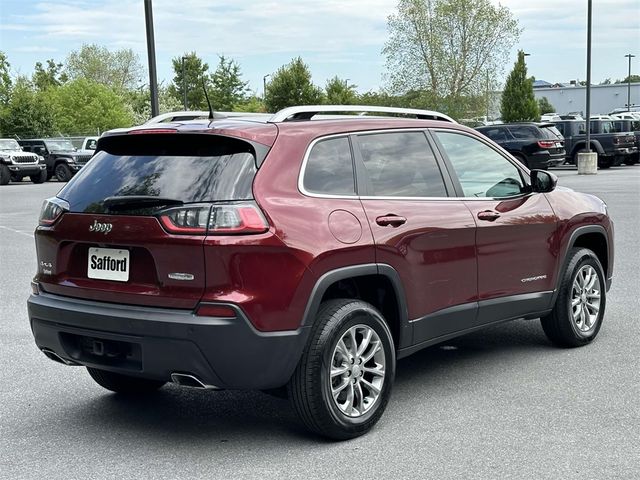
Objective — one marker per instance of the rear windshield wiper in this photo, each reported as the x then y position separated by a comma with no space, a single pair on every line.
129,202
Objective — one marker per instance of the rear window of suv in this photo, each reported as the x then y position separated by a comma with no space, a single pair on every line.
203,168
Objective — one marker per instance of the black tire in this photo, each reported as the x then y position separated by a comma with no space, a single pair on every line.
63,173
310,386
125,384
559,325
39,178
605,162
5,175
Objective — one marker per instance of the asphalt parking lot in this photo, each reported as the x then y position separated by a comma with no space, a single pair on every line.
501,403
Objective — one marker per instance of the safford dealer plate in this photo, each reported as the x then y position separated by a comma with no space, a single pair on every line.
108,264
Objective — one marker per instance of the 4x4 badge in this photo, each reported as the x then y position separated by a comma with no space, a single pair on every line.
100,227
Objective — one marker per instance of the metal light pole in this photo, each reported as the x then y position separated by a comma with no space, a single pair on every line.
629,56
264,85
589,76
184,84
588,161
151,53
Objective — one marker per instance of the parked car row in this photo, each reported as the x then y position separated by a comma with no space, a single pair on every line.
544,145
41,159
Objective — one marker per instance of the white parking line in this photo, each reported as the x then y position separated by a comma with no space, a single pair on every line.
17,231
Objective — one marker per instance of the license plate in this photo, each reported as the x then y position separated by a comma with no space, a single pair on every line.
108,264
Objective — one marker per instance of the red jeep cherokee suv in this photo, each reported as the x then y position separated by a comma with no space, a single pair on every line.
309,252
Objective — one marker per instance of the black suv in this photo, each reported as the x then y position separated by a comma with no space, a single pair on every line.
535,145
61,157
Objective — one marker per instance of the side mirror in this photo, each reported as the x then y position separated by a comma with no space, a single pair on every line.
543,181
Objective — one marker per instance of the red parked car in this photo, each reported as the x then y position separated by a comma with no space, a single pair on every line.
307,252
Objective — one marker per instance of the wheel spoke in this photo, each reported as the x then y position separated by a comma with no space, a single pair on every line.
335,371
359,398
350,395
336,391
575,301
593,307
378,370
343,350
593,295
371,387
375,349
354,346
365,342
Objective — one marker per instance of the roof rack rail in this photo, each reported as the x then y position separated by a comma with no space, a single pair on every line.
307,112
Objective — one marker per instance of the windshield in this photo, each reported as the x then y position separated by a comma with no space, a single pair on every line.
9,144
55,145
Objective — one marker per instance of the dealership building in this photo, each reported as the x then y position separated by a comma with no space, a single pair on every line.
569,98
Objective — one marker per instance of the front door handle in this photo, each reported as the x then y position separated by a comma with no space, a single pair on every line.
488,215
390,219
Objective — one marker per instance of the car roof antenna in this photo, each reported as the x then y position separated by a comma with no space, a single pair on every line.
208,102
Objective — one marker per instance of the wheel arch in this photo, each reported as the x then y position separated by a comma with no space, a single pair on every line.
378,284
593,237
595,144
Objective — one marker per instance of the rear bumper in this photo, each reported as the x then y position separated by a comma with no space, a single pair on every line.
544,159
156,342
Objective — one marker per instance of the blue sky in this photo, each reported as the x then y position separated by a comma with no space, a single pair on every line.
343,37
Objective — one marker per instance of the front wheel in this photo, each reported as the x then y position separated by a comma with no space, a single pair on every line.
5,174
39,177
577,315
119,383
63,172
344,379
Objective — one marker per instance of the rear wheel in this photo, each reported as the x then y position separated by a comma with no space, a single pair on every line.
344,379
40,177
577,315
119,383
5,175
63,172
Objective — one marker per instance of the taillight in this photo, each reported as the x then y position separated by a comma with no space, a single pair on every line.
186,220
221,219
546,144
52,209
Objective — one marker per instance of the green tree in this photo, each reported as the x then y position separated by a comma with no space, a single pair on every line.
82,106
120,69
448,48
195,70
139,103
340,92
291,85
518,101
5,80
253,104
634,79
27,113
545,106
227,87
51,76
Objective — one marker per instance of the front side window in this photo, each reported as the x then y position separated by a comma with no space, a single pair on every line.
401,164
482,171
329,168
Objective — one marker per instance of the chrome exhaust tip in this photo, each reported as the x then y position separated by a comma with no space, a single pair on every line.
55,357
188,380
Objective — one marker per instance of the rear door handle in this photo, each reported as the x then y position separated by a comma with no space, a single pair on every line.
393,220
488,215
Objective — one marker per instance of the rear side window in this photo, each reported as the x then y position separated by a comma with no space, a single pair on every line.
497,134
524,132
329,168
401,165
551,133
189,170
